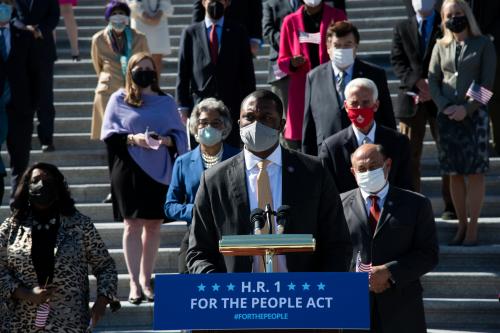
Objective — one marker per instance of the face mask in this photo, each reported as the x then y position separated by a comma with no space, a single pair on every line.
361,117
343,58
209,136
144,78
457,24
5,12
119,22
42,193
215,10
258,137
423,5
371,181
312,3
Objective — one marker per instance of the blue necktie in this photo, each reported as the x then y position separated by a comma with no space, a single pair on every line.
3,52
423,35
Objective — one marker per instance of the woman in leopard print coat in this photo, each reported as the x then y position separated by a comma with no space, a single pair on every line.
76,246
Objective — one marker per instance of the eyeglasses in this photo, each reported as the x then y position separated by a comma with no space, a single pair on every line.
216,123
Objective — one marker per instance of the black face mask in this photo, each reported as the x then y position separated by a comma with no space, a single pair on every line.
42,193
457,24
144,78
215,10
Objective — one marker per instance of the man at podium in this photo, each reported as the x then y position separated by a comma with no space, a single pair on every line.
266,173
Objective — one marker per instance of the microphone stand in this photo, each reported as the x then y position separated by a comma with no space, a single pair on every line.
269,257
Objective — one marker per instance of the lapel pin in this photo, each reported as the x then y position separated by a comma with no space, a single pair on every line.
291,169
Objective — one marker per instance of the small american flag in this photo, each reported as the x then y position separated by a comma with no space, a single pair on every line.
42,313
362,268
479,93
313,38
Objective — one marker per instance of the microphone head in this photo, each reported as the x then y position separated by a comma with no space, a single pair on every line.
282,214
257,218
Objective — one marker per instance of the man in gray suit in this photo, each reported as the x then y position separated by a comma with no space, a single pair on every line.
232,188
394,238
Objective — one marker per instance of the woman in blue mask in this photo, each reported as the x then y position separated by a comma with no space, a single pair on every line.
210,123
111,49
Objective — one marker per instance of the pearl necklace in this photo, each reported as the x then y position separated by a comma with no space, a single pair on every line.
47,226
209,160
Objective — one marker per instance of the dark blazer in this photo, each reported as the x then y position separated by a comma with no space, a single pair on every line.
274,13
248,13
324,116
486,13
404,240
410,64
230,80
45,14
185,182
222,208
336,154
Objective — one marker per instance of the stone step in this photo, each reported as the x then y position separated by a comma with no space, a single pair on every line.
442,313
112,232
431,186
86,157
166,262
481,258
489,230
455,313
491,206
436,285
461,285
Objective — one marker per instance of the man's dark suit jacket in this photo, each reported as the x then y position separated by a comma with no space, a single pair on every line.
486,14
248,13
222,208
230,80
274,13
45,14
404,240
324,116
336,154
409,64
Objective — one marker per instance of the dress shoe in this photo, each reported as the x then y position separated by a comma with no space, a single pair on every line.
48,148
108,199
135,300
76,58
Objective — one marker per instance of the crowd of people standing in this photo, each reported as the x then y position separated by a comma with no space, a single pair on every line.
328,127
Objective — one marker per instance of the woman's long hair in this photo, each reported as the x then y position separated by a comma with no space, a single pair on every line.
64,203
473,26
133,93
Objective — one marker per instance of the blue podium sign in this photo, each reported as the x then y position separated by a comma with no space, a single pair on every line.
260,301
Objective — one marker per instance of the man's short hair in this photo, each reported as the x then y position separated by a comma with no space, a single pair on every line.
362,82
268,95
342,29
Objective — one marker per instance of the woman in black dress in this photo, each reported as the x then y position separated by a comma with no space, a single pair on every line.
143,133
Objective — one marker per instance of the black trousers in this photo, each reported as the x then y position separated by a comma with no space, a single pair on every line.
44,97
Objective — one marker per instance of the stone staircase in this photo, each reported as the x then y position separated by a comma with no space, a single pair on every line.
460,295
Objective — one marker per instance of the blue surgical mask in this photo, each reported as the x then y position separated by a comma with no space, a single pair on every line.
5,12
119,22
209,136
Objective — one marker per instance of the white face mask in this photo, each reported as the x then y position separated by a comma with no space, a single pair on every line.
371,181
343,58
423,5
312,3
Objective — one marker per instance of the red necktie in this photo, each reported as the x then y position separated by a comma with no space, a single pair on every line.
374,213
214,44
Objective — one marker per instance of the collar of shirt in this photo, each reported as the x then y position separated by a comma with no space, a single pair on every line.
251,160
347,70
209,22
382,195
360,135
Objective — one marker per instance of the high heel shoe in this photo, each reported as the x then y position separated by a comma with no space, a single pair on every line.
149,295
76,58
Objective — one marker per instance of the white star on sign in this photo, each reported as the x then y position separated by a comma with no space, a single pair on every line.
291,286
215,287
201,287
321,286
306,286
230,287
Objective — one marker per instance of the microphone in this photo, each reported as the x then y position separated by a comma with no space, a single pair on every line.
282,217
269,217
257,219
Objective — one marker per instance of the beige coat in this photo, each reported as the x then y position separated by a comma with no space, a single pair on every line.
109,73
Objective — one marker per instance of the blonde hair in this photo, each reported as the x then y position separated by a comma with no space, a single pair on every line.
133,93
471,20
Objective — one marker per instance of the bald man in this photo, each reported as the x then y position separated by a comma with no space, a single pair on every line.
393,232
